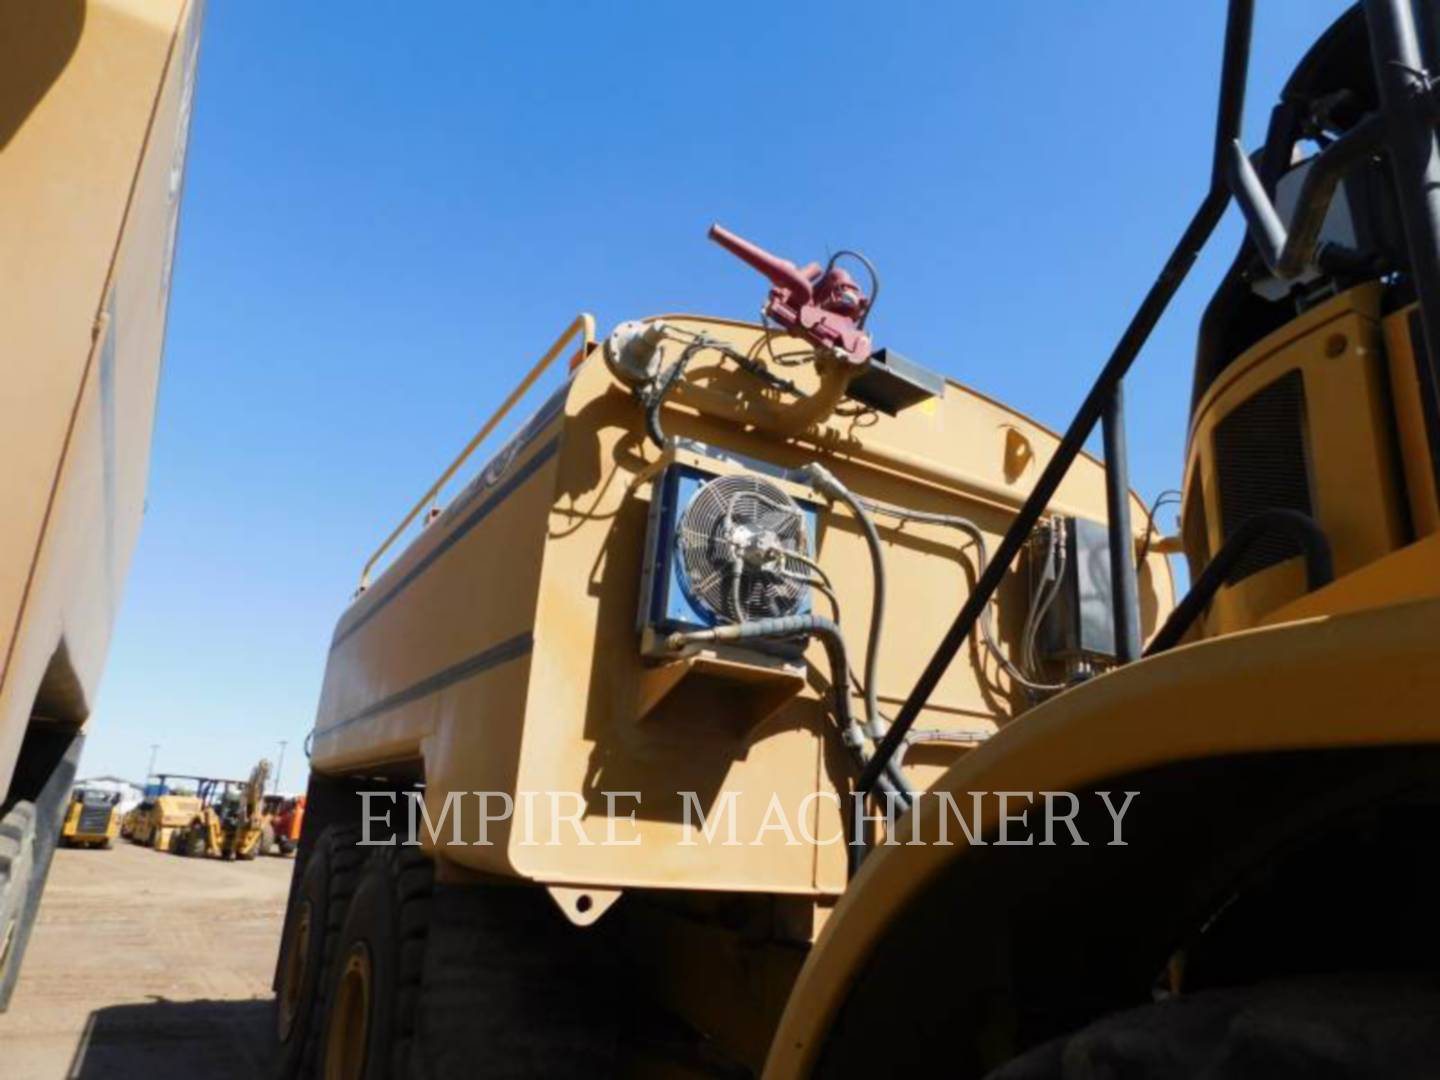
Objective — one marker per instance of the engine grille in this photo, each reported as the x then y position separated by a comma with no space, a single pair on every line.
94,819
1194,527
1261,464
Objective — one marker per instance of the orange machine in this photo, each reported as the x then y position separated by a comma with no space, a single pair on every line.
284,817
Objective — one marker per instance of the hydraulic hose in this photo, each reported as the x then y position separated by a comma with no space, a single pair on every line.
852,735
791,626
653,394
654,397
828,485
982,548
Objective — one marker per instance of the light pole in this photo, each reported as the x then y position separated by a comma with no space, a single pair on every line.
279,766
154,749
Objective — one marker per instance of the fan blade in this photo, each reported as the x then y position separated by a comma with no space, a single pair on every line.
715,575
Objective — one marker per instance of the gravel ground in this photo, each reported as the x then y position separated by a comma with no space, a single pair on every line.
146,965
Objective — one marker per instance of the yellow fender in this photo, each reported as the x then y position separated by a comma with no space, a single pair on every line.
1365,683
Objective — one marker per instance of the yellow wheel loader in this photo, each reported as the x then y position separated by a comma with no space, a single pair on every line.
769,705
230,820
91,820
95,103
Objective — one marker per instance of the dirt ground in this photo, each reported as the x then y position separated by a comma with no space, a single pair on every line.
146,965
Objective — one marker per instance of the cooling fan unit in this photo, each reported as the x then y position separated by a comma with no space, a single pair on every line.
735,545
724,549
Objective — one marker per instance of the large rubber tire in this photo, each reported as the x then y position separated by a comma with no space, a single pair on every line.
1346,1026
374,979
312,926
512,989
17,864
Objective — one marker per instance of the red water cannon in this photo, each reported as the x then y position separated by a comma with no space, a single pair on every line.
824,305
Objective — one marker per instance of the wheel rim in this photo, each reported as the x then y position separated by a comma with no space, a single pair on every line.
349,1018
296,965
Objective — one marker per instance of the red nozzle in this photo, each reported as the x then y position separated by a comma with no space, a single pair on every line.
782,272
822,307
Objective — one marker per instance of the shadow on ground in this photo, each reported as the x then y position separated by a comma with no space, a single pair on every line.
217,1040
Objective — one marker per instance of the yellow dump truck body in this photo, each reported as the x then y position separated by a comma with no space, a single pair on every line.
94,110
95,103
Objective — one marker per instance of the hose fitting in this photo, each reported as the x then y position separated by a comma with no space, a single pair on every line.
824,481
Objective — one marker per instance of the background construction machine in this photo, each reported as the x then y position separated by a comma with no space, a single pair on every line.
94,115
229,821
130,823
282,817
154,821
92,819
644,610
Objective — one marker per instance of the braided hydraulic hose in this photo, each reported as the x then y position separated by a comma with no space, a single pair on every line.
828,485
852,735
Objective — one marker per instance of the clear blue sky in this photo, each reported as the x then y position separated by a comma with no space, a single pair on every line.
390,208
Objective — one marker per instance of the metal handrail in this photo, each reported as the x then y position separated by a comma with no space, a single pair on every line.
1408,104
1100,399
583,325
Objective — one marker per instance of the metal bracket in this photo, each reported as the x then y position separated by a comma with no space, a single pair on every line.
583,906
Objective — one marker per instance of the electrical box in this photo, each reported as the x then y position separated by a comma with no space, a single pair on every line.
1079,621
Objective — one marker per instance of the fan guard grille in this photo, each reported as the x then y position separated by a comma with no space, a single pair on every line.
742,524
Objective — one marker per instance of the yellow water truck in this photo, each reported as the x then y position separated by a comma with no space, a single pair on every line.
769,705
95,103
